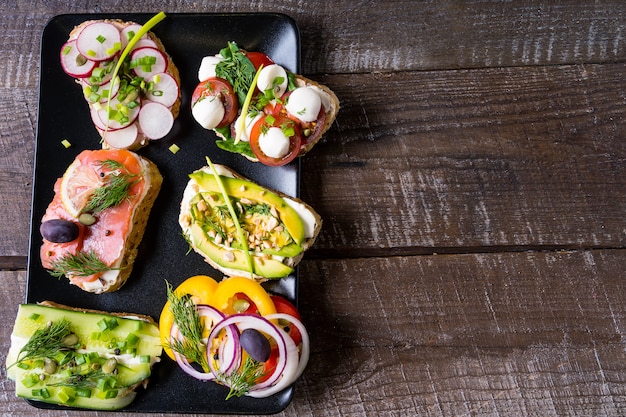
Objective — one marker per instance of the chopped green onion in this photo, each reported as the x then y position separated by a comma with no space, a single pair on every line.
144,29
270,119
83,392
101,38
66,50
66,143
91,52
174,148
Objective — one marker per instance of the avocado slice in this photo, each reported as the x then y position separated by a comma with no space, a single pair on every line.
235,259
240,188
80,374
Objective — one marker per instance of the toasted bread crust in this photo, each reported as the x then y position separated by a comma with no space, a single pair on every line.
331,111
143,317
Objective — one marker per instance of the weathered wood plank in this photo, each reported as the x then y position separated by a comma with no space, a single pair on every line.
458,160
502,158
353,37
478,334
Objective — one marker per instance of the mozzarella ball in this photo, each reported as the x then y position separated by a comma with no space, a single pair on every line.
274,143
208,112
304,103
207,67
268,79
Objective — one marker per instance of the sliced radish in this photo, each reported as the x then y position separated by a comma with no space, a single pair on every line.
155,120
128,32
122,138
143,43
96,119
163,89
99,93
74,63
99,41
120,116
148,61
102,73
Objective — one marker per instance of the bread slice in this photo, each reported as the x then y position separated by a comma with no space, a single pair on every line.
330,103
116,234
141,139
232,260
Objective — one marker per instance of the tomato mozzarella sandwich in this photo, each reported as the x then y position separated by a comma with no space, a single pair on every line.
128,79
258,108
92,228
242,228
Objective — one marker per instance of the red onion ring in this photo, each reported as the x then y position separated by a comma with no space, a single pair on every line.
183,362
244,321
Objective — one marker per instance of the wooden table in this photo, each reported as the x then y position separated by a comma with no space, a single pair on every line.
473,188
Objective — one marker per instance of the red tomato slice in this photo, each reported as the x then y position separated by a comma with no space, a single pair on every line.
269,365
284,306
218,87
311,131
258,58
295,140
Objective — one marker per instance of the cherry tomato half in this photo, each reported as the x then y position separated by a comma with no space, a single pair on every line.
258,58
311,131
218,87
284,306
262,125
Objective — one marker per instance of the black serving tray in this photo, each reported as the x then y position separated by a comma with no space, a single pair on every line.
163,253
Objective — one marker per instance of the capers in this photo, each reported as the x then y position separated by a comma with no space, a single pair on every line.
87,219
49,366
109,366
70,340
81,60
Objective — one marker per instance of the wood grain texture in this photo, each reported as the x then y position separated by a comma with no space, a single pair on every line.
511,157
452,335
472,257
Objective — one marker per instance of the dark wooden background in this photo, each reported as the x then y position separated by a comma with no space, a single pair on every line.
472,261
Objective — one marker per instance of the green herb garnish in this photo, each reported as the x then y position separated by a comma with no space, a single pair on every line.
45,342
188,321
241,381
115,189
237,69
80,265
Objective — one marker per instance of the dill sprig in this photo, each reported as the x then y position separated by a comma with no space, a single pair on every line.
81,264
115,189
191,327
45,342
242,380
237,69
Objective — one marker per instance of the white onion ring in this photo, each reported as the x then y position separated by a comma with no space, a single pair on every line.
306,344
291,362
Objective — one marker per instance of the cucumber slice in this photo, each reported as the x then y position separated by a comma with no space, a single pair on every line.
112,355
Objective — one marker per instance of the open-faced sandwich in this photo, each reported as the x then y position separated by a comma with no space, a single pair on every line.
128,79
258,108
81,358
242,228
92,228
234,333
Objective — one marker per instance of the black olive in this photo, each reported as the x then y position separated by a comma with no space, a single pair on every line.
59,230
257,346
